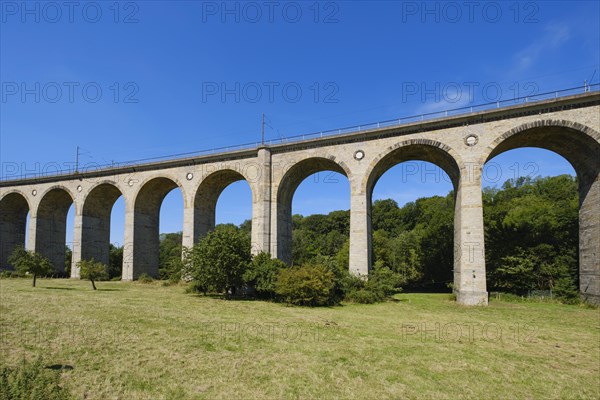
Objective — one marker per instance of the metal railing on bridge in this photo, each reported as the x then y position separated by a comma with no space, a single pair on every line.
391,123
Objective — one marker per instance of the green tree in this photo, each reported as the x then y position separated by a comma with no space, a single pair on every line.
170,250
262,273
218,261
30,262
532,233
92,270
68,261
115,261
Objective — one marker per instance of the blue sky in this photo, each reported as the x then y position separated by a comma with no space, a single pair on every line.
152,78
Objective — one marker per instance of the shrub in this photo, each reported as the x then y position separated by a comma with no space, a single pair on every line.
145,278
262,274
31,380
218,261
566,292
381,284
364,296
11,274
309,285
196,287
172,269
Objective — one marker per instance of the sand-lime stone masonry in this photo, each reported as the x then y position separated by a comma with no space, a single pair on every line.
460,145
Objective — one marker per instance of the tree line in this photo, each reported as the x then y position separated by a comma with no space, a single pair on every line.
531,240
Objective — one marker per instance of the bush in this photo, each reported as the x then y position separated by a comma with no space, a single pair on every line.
172,269
364,296
196,287
566,292
31,380
262,274
11,274
218,261
309,285
145,278
382,284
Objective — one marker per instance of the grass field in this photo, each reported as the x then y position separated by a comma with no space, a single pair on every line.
148,341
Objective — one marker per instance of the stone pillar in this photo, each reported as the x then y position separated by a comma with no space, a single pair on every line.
13,220
469,239
360,234
128,245
31,235
261,204
77,244
188,224
281,239
589,239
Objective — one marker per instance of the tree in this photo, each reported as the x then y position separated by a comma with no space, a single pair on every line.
115,261
262,273
170,250
92,270
30,262
531,233
68,260
218,261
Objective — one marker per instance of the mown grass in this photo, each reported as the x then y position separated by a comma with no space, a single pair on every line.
148,341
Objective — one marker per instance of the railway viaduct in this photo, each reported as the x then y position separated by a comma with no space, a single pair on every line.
460,145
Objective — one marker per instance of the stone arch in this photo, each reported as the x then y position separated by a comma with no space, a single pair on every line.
428,150
285,190
580,146
207,196
14,208
51,225
95,221
146,210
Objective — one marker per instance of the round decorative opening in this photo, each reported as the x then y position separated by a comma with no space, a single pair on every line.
189,176
79,188
130,183
471,140
359,155
34,192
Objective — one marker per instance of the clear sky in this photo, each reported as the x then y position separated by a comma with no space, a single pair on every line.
139,79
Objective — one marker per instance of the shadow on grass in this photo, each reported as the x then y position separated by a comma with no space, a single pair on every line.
109,290
59,288
60,367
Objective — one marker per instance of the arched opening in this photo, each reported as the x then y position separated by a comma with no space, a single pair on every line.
96,226
209,192
412,222
414,233
150,219
579,146
14,211
332,230
51,227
